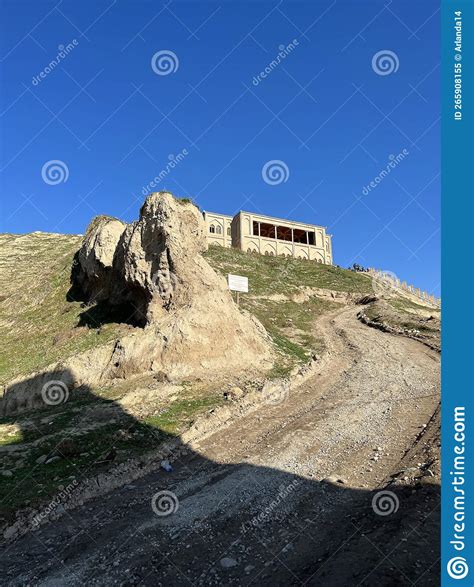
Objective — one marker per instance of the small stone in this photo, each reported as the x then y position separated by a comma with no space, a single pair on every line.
10,532
249,568
334,479
227,562
234,393
7,473
40,460
165,465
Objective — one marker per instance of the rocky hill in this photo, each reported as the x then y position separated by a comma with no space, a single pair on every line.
151,274
123,341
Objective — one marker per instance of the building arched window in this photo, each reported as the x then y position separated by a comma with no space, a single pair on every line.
228,231
212,229
218,230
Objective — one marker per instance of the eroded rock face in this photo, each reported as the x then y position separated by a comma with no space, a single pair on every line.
153,265
186,323
93,264
154,270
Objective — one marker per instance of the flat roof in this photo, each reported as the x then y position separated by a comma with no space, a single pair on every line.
217,214
284,220
271,218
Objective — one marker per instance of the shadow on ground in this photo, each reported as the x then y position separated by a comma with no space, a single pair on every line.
205,522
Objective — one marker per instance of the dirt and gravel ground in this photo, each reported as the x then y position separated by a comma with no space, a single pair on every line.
287,495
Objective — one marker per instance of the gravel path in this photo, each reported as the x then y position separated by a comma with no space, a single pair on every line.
283,496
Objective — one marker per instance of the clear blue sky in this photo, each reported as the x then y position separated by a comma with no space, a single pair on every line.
113,122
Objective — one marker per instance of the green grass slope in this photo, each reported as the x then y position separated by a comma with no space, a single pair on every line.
39,326
282,275
272,283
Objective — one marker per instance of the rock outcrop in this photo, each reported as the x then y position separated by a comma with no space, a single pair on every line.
154,272
151,274
151,266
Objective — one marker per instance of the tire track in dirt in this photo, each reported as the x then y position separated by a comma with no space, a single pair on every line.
376,391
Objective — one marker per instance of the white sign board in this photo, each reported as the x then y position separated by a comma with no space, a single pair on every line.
238,283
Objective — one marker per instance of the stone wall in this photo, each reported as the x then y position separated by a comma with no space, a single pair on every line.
394,282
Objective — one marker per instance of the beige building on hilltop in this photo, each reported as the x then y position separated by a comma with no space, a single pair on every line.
255,233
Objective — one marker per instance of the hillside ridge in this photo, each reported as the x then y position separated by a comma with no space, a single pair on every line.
43,328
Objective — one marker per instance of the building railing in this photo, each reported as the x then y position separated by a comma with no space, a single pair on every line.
281,241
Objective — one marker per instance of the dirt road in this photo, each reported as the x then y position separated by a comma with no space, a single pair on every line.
284,495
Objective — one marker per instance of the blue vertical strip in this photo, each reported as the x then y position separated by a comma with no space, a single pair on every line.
457,565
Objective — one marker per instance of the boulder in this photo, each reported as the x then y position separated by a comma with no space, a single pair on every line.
96,257
154,270
151,273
